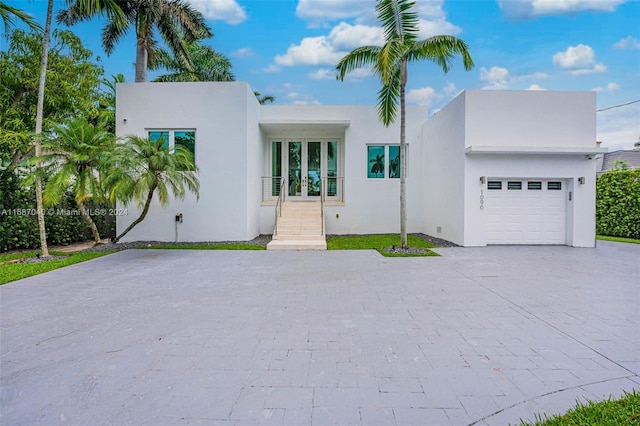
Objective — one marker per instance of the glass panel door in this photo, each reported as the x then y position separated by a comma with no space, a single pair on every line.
313,169
294,180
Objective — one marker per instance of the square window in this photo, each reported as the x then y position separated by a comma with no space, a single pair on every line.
186,139
157,135
375,161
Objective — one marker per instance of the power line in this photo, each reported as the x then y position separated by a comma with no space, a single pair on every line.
618,106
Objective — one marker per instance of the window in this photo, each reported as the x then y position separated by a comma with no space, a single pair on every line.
173,138
554,186
494,185
534,186
383,161
513,185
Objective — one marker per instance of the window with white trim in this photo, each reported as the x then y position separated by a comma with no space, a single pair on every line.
383,161
173,138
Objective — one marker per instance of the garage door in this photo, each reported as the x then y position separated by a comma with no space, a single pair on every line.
521,211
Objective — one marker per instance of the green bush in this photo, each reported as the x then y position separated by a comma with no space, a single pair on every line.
618,204
19,223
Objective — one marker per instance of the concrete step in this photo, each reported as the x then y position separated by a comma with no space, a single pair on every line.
297,245
299,237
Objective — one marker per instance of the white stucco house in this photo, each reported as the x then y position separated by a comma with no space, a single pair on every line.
492,167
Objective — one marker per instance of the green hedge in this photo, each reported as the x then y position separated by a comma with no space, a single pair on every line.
19,223
618,204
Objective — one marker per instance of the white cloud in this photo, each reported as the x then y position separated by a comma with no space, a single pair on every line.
228,11
629,42
271,68
529,9
532,76
322,74
244,52
318,12
580,60
310,51
611,87
423,96
495,77
428,96
350,36
535,87
619,128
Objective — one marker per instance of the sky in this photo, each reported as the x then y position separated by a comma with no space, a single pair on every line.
289,48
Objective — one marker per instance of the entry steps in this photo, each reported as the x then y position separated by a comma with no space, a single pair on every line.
299,227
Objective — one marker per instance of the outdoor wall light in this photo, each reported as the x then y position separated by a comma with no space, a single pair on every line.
483,179
124,119
581,180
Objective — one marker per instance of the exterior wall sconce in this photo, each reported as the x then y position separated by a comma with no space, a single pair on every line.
124,120
581,180
483,179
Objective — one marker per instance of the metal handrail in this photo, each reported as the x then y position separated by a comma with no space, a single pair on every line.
279,203
321,207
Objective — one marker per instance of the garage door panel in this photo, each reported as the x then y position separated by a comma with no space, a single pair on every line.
533,214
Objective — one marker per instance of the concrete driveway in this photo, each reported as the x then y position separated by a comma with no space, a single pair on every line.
163,337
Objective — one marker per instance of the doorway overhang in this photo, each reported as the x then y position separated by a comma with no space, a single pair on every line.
298,128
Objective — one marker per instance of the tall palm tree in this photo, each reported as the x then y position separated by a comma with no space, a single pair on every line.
176,21
8,13
76,157
206,65
38,130
389,62
143,167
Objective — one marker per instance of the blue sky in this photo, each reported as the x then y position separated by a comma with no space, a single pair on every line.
288,48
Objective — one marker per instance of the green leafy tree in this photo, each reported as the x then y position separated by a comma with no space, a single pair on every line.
8,14
72,85
176,21
76,156
389,62
206,65
143,168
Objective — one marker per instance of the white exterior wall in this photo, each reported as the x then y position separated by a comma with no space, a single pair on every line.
370,205
443,173
218,112
513,121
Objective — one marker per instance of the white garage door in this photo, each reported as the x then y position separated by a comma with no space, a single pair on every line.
523,211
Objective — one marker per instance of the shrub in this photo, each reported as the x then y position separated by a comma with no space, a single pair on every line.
19,224
618,204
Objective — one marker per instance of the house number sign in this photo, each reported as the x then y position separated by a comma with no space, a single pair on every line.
481,199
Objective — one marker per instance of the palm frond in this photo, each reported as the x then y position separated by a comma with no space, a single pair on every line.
442,50
388,97
8,13
398,19
357,58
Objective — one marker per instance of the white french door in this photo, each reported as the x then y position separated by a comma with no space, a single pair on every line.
310,166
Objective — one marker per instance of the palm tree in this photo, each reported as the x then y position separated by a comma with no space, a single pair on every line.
389,62
143,167
8,13
176,21
206,65
38,130
76,157
266,99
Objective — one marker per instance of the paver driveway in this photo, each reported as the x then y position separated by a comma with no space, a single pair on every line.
478,336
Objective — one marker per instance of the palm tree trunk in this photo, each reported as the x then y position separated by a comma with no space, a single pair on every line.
403,156
145,210
90,222
39,119
141,61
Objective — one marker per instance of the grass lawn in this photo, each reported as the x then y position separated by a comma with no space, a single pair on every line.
378,242
623,411
16,271
618,239
233,246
